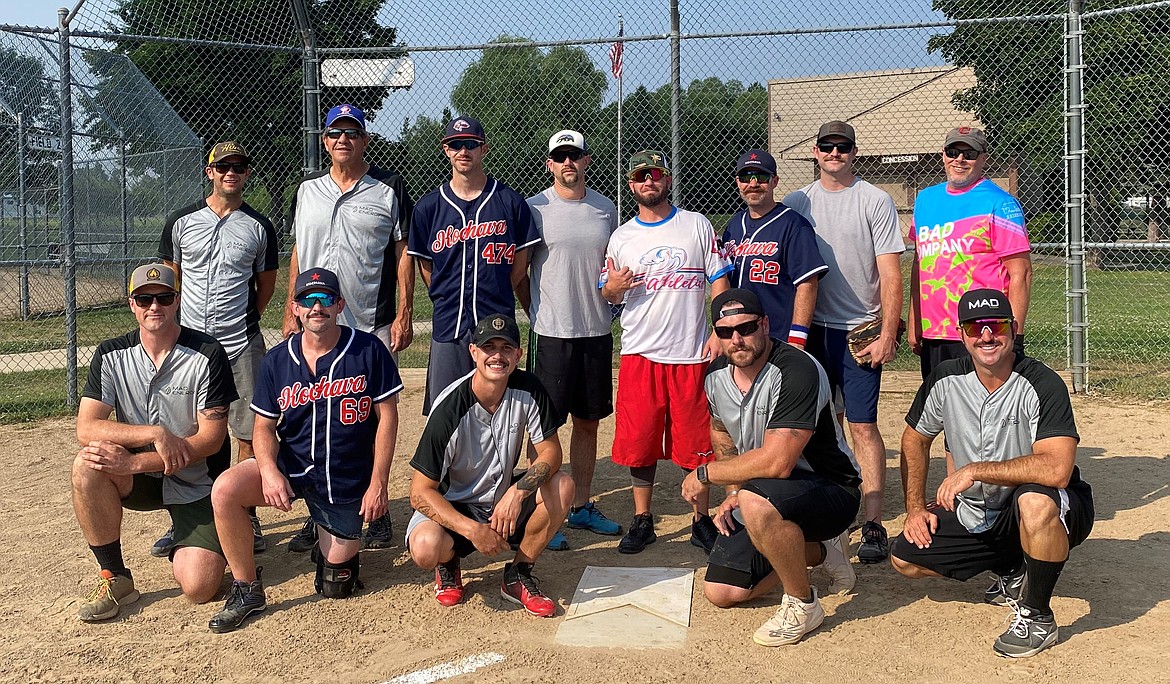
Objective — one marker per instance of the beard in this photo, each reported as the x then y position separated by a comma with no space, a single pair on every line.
653,197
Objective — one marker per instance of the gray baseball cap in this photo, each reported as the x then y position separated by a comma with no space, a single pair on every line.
974,137
152,274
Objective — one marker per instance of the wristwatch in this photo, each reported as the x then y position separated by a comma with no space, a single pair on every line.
701,473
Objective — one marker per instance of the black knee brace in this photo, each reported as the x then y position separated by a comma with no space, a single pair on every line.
338,580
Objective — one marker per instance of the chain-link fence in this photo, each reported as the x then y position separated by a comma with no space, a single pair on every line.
1071,97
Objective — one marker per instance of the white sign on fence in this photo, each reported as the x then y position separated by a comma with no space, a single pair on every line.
364,73
41,141
900,159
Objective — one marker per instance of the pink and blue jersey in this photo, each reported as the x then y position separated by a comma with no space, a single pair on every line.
961,240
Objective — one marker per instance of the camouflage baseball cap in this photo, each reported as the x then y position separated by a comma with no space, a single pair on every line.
648,159
227,149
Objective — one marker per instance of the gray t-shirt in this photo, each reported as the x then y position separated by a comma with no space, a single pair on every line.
574,234
853,226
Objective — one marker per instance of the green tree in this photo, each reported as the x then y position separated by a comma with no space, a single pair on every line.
26,90
252,96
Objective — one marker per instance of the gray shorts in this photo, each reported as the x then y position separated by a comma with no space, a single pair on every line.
449,361
244,370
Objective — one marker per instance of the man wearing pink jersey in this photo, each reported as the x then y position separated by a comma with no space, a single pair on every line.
968,233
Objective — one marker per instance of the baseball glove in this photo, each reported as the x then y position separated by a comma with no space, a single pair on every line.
864,335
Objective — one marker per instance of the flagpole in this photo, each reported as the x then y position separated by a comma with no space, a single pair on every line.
621,174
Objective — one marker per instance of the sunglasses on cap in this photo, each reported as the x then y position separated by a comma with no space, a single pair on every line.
351,133
996,327
724,332
641,175
224,167
559,156
458,145
145,300
842,147
323,298
761,177
955,153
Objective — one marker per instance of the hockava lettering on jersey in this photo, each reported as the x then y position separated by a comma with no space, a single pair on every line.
749,248
299,395
451,236
674,281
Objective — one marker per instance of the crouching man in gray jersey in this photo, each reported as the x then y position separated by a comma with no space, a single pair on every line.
1015,503
463,491
792,483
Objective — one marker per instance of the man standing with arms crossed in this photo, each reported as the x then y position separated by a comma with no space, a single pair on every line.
353,219
856,226
570,347
471,236
224,253
659,264
968,234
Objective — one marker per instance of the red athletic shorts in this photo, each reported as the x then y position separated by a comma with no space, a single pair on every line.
661,403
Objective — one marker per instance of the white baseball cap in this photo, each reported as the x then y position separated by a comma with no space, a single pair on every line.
567,138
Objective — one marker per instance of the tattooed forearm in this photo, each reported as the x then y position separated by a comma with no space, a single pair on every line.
215,413
536,476
420,504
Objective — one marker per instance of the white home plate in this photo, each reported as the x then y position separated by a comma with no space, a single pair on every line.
629,608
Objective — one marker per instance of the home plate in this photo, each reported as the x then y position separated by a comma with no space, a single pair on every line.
629,608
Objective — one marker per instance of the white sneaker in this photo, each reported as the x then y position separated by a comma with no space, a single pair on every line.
793,620
836,564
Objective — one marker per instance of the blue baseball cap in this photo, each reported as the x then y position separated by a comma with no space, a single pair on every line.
463,127
317,279
346,111
756,160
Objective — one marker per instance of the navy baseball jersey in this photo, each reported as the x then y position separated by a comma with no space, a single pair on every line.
471,245
328,427
772,255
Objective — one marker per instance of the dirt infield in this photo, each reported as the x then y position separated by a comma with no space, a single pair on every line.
1112,604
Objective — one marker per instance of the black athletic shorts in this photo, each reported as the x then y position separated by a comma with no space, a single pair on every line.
576,372
959,554
821,508
463,545
935,352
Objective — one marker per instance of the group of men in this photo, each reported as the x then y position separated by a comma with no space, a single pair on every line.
756,401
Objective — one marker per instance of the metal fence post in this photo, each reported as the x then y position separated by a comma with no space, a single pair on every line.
310,88
67,237
25,302
124,208
675,101
1074,157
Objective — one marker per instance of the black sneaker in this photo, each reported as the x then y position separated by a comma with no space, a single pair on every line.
875,543
1029,633
703,533
640,535
1005,588
304,540
244,599
380,534
259,544
162,547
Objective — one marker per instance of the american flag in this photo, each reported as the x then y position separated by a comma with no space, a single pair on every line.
615,55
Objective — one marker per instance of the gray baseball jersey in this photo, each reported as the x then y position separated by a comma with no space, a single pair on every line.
353,233
220,259
566,302
472,452
196,375
852,226
1032,405
791,391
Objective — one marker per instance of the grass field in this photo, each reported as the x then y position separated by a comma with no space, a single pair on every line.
1129,337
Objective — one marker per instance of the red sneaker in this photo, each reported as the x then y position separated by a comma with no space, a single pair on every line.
448,585
521,587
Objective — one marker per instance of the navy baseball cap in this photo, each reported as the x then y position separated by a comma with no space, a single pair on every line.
749,303
317,279
463,127
984,304
756,160
496,325
346,111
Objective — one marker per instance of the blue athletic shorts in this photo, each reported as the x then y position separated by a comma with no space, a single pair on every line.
858,384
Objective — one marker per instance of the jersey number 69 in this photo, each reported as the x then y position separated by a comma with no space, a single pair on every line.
355,410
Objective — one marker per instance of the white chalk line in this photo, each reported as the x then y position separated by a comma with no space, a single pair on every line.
449,670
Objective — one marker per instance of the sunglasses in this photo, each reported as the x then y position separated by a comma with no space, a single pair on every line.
955,153
842,147
760,177
224,167
323,298
641,175
559,156
978,328
724,332
145,300
351,133
458,145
